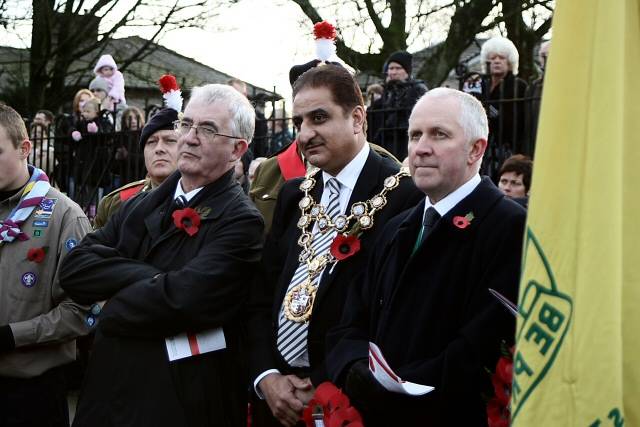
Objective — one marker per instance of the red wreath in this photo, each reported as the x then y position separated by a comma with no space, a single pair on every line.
498,411
336,409
461,222
324,30
168,83
36,254
187,219
344,246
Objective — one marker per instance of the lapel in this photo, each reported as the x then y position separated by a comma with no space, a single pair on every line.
478,203
210,204
155,205
407,234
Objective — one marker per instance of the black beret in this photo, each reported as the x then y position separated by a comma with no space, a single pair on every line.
400,57
297,70
162,120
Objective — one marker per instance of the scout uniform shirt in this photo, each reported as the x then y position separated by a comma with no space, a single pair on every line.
43,320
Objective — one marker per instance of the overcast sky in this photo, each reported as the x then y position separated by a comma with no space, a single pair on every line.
254,40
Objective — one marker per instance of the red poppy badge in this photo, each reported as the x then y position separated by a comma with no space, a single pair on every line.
187,219
463,221
344,246
36,254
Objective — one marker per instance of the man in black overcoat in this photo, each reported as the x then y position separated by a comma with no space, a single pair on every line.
425,298
302,292
174,266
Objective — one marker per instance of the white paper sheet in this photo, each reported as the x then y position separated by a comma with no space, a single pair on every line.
187,345
388,379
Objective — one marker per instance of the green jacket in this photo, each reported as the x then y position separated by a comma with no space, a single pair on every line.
112,201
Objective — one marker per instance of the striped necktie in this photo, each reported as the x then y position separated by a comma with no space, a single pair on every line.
292,336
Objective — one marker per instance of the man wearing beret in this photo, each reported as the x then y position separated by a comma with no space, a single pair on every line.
159,142
388,127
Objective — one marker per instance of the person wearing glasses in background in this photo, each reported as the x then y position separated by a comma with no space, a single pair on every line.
174,267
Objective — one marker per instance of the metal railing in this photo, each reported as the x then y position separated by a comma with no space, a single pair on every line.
89,168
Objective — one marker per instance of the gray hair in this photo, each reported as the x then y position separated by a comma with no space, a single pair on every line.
503,47
472,115
243,116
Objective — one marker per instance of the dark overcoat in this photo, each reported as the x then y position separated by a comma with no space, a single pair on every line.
431,313
280,261
158,282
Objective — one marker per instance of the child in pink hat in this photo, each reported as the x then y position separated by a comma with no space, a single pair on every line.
108,70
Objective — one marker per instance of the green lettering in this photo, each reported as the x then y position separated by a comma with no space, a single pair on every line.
520,366
540,335
551,317
515,390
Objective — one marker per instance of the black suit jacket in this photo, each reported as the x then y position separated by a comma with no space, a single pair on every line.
159,282
280,260
431,313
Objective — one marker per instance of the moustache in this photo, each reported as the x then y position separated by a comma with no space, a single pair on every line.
311,144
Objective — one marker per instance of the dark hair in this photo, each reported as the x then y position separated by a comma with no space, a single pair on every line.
520,165
125,120
342,85
13,125
48,114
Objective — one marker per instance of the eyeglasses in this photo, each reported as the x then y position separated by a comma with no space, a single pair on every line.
204,131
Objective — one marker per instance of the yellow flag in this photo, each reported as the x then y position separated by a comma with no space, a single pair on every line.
578,336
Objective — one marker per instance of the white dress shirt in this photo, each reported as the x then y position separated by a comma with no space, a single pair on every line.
180,192
453,198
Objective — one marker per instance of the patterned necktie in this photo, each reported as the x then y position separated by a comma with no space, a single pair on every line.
292,336
431,217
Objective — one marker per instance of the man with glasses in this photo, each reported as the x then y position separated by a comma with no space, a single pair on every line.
174,266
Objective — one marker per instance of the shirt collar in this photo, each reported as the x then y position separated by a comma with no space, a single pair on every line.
180,192
348,176
453,198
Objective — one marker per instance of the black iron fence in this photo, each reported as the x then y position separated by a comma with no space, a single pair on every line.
88,168
88,165
512,130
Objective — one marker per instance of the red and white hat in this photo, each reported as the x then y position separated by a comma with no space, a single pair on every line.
325,35
171,92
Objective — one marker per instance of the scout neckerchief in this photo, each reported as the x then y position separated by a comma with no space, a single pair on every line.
32,195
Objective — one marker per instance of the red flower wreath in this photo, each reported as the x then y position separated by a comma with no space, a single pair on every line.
36,254
334,406
344,246
187,219
498,410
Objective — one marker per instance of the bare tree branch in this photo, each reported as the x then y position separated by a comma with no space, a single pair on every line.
375,18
